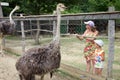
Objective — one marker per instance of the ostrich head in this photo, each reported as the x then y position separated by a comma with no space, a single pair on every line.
61,7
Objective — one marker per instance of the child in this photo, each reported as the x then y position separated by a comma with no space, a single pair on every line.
99,57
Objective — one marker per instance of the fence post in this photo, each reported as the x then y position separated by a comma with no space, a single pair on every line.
38,31
1,13
1,16
67,26
23,34
31,29
111,36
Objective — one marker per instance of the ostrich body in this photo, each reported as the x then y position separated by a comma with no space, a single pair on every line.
7,27
41,60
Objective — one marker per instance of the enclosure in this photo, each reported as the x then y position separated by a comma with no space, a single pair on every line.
32,31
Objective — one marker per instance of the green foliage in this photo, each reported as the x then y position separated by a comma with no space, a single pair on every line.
74,9
117,5
98,5
36,7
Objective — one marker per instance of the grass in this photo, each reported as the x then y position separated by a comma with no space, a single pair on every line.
9,37
72,48
11,53
72,53
65,74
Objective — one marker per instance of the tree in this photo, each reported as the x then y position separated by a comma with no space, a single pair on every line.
36,7
117,5
97,5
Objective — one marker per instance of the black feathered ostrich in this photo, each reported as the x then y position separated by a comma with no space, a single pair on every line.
7,27
44,59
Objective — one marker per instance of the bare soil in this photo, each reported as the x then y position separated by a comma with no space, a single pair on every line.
7,64
7,68
71,55
9,72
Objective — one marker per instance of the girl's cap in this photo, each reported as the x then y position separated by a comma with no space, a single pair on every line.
90,23
99,42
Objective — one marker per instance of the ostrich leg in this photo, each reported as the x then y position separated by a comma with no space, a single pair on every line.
21,77
42,77
33,77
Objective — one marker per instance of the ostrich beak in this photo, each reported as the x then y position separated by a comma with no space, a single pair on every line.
64,7
17,7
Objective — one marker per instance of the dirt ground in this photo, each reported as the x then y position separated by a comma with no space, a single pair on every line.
9,72
7,68
70,55
7,65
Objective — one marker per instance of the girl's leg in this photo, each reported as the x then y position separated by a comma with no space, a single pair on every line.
93,63
100,72
97,71
88,65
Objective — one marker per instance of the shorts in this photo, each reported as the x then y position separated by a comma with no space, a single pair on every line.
99,64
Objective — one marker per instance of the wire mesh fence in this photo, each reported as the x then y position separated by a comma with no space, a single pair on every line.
46,27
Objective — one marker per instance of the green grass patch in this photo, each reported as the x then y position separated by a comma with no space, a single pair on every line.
65,75
11,53
10,37
116,62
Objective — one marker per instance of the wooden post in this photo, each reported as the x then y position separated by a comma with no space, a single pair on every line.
67,26
1,13
23,35
38,31
111,36
30,29
81,27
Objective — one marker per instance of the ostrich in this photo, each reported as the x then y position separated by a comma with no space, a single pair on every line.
44,59
7,27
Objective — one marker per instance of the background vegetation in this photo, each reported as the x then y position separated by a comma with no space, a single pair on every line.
36,7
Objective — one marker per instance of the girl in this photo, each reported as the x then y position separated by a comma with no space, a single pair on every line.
89,35
99,57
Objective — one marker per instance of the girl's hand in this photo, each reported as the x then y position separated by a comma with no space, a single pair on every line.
79,37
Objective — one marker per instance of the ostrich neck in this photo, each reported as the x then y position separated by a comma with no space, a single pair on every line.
10,16
57,36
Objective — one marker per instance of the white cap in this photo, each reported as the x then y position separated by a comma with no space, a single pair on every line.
91,23
99,42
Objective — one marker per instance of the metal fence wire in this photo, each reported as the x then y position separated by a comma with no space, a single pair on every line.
46,27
